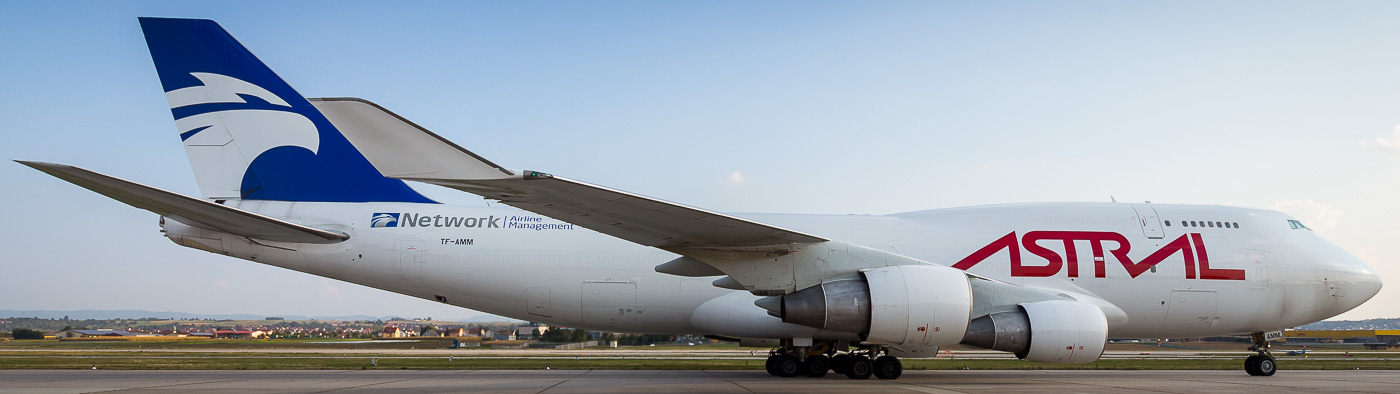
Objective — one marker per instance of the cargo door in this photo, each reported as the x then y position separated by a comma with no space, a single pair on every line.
1191,310
609,303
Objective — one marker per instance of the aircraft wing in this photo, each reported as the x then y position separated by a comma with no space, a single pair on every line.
189,210
403,150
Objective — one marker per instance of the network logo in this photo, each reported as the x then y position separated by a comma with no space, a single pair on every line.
384,220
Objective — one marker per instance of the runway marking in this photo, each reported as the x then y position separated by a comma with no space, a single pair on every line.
1101,385
167,385
707,372
585,372
363,385
1257,382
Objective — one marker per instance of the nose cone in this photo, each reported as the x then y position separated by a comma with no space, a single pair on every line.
1369,285
1359,285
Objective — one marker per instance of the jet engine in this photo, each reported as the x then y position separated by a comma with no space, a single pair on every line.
1059,331
904,305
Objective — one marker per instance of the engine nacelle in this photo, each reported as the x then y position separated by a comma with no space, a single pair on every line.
904,305
1059,331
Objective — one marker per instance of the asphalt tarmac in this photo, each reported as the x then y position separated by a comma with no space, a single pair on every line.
612,381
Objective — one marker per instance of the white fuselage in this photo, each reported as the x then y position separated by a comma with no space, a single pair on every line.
1209,279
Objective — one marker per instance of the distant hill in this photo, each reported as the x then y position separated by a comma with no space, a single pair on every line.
1370,324
141,314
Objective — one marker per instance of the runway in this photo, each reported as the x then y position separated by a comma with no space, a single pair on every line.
648,381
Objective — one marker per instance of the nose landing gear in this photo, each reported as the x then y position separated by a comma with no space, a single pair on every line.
1264,363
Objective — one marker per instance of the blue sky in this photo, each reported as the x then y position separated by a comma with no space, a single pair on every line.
808,107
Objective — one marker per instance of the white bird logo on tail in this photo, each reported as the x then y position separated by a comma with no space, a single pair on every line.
220,165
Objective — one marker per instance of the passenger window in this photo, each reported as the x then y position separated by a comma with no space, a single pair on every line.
1217,224
1210,224
1237,224
1169,223
1193,223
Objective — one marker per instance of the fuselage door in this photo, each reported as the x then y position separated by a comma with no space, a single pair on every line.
1258,271
410,258
1151,224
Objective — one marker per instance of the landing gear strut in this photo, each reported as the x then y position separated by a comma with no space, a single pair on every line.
1264,363
816,361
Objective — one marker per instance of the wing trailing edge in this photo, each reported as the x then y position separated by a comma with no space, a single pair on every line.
403,150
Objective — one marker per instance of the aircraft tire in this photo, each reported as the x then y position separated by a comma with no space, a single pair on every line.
888,367
787,366
815,366
1265,366
858,367
1249,364
768,365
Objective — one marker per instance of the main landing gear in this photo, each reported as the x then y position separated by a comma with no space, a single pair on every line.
1264,363
831,356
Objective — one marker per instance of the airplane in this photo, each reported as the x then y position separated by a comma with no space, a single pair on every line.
320,186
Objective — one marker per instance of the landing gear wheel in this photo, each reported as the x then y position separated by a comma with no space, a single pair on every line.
1264,363
1260,366
768,365
815,366
787,366
888,367
838,363
859,367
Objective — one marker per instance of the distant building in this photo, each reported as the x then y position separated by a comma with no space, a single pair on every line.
239,334
504,335
454,332
529,331
393,332
1372,339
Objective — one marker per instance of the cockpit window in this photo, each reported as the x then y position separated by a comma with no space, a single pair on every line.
1297,225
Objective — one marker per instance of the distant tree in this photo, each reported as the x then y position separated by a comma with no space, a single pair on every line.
25,333
66,328
578,336
554,335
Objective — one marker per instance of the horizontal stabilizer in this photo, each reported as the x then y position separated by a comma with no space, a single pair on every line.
403,150
189,210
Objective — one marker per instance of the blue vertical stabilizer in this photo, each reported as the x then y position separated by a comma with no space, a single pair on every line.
247,133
